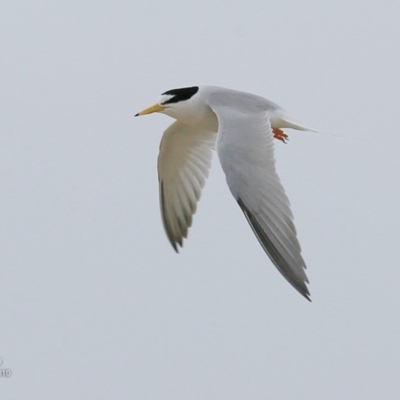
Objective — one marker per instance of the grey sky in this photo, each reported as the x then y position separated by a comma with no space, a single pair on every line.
95,304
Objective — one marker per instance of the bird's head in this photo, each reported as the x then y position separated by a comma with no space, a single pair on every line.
175,103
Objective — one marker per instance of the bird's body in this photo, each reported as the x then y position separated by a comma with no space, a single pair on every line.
241,126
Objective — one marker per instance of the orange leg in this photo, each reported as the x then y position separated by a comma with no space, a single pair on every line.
280,135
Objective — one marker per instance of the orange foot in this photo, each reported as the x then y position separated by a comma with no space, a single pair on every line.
280,135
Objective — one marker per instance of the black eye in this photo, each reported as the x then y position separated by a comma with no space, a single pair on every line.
181,94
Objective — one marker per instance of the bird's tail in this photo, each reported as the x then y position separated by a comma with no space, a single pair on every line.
283,120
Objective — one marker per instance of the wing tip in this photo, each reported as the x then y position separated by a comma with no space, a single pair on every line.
176,244
175,247
301,286
298,280
305,294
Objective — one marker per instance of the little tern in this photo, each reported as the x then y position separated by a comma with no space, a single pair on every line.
241,126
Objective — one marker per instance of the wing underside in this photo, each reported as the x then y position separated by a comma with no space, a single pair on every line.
183,166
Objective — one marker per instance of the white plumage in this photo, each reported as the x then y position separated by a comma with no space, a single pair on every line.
242,126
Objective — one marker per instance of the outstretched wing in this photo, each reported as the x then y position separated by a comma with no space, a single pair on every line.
246,152
183,166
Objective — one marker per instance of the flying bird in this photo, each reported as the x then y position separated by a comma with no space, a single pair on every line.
242,127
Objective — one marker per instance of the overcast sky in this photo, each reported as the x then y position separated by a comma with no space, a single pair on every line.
94,302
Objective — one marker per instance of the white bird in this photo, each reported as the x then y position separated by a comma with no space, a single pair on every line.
242,127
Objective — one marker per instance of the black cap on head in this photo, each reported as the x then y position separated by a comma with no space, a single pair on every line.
181,94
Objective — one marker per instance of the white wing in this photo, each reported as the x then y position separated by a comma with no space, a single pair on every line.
246,152
183,165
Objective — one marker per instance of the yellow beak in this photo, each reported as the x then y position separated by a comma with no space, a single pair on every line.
150,110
